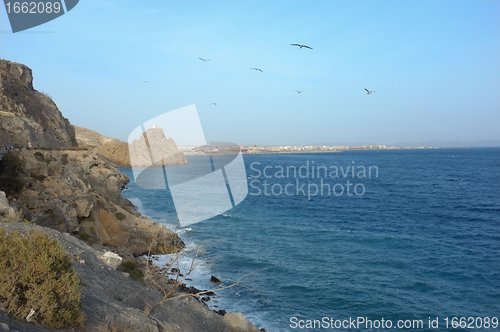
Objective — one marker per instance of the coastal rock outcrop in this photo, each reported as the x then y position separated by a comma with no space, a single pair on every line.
73,194
163,149
78,192
112,302
27,115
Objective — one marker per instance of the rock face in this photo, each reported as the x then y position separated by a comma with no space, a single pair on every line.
117,151
27,115
78,192
112,149
92,138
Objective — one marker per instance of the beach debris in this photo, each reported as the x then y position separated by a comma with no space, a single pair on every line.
32,312
257,69
299,45
369,92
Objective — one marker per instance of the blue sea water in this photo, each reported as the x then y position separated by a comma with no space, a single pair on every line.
417,240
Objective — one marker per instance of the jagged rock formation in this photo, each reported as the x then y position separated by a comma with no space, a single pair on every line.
154,143
27,115
80,193
117,151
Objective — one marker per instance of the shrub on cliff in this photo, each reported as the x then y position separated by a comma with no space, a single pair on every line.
35,276
11,167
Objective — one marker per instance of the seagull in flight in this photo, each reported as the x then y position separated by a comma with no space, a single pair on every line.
204,60
301,46
369,92
215,104
144,81
299,91
257,69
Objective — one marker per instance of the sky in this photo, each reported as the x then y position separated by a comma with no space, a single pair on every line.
435,67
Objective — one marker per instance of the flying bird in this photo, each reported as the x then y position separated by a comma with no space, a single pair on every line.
215,104
144,81
204,59
299,91
301,46
369,92
257,69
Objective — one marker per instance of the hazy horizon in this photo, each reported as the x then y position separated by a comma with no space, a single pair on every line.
434,66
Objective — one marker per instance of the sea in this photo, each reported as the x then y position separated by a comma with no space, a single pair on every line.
367,240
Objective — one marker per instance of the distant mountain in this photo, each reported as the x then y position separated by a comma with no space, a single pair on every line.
450,144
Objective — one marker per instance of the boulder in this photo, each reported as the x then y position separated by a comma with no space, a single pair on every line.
238,322
111,259
84,206
6,212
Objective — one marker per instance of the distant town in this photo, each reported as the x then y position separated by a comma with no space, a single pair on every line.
255,149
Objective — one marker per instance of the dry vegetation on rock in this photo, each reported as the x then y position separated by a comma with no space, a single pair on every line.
36,277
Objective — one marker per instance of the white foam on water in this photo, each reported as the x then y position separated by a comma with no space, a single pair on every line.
184,231
200,275
137,203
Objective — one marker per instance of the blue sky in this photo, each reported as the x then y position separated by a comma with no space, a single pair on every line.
434,64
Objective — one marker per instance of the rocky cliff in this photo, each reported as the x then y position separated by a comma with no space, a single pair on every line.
78,192
27,115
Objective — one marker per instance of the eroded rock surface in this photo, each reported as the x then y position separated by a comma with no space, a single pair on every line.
27,115
78,192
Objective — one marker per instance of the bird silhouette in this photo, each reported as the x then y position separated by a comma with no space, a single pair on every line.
257,69
299,91
204,60
369,92
215,104
301,46
144,81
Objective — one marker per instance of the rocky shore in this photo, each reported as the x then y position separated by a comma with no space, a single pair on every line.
73,194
